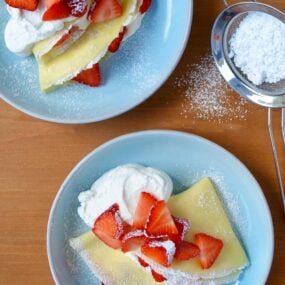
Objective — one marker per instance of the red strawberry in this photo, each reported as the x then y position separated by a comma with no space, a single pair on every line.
142,262
77,7
186,250
160,221
104,10
133,240
157,277
145,203
145,6
115,44
109,227
30,5
182,226
57,9
91,77
210,249
66,36
161,252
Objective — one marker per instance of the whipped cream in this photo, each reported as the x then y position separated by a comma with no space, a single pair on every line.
123,185
25,28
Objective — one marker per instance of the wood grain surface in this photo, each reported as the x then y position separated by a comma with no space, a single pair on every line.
36,156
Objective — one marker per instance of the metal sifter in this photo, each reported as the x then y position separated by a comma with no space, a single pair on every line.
267,95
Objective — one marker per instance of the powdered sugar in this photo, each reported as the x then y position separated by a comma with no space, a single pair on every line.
77,6
206,94
132,234
185,224
229,199
258,48
169,247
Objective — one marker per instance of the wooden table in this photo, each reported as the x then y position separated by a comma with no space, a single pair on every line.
36,156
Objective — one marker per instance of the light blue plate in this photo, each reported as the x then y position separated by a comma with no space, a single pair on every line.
132,75
186,158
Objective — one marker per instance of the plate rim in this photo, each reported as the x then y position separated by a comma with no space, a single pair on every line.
125,109
159,132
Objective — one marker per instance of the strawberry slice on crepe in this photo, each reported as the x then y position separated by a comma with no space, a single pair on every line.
210,249
161,252
160,222
56,10
104,10
145,203
91,76
109,227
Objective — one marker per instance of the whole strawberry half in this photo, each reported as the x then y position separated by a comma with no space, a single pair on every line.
109,227
210,249
30,5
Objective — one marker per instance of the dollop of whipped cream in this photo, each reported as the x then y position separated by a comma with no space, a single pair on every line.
123,185
25,28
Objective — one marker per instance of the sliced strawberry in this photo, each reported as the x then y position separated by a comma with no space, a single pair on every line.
116,43
104,10
30,5
160,221
66,36
157,277
49,3
77,7
133,240
186,250
145,203
145,6
142,262
109,227
182,226
91,77
161,252
210,249
57,10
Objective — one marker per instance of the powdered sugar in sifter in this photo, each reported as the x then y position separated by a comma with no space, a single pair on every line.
267,95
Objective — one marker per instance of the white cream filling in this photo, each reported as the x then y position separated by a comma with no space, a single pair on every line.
25,28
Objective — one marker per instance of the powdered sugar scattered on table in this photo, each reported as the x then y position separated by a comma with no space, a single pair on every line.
206,94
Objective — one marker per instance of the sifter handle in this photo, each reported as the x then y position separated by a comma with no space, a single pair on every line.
227,4
283,123
275,154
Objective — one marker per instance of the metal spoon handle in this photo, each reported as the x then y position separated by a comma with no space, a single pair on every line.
275,154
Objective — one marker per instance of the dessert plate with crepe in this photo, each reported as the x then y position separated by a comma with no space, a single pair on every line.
218,199
136,43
